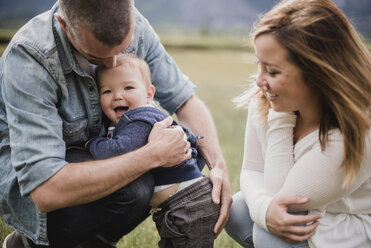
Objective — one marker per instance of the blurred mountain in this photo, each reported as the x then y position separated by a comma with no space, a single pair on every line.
194,15
15,13
232,15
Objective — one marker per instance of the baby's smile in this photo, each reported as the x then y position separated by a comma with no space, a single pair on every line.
120,110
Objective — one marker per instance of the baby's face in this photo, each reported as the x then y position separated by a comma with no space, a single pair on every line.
121,89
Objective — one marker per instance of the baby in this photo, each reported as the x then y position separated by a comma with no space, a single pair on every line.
182,196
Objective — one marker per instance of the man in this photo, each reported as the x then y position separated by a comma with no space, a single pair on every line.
49,107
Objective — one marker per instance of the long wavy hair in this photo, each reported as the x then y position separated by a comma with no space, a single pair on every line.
334,62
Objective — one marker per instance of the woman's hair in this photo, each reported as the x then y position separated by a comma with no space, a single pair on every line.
334,62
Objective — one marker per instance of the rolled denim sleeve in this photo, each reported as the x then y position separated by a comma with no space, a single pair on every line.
30,95
173,88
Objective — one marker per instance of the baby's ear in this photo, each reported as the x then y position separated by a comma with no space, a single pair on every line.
150,93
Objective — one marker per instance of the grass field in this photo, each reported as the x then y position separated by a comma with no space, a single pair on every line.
220,74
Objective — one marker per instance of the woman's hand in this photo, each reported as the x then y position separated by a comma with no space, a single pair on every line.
289,227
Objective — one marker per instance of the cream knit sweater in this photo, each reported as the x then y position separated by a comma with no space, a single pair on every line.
273,166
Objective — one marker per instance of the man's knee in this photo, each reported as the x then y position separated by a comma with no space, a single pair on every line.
136,195
128,207
142,188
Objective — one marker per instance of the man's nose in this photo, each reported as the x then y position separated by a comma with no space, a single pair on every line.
110,62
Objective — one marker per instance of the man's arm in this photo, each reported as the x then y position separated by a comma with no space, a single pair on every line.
210,149
79,183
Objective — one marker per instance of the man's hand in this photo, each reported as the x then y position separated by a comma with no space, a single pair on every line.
221,193
170,144
291,228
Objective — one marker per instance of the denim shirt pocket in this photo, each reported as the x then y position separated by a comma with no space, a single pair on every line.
76,131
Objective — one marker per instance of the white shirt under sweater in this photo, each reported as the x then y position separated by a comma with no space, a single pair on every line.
272,166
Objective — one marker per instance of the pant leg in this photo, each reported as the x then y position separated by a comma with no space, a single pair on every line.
240,226
110,217
187,219
264,239
242,229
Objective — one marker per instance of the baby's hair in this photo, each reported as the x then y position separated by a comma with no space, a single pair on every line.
133,61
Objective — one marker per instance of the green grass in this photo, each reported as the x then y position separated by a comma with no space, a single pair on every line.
2,48
4,230
6,34
205,42
368,45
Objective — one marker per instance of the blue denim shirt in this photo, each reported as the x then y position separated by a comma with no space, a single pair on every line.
132,132
47,103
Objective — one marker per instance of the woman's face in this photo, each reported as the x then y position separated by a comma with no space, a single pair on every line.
280,80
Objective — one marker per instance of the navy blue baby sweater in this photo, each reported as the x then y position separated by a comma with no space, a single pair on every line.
132,132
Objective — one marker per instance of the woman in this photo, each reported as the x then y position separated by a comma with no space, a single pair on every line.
306,174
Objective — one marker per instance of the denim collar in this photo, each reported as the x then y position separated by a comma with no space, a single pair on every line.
65,51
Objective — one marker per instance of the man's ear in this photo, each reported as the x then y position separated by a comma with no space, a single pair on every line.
62,22
150,93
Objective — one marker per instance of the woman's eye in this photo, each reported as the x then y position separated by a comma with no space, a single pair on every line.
272,73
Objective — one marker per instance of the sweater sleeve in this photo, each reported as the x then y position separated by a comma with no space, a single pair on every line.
252,174
317,174
131,137
279,157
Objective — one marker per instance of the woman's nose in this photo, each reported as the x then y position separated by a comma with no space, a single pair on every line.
261,81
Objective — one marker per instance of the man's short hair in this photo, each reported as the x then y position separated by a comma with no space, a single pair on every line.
109,21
